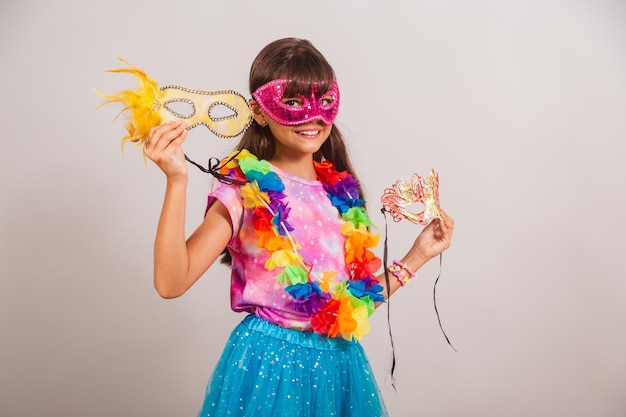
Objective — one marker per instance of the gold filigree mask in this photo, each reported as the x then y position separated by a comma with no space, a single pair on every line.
415,189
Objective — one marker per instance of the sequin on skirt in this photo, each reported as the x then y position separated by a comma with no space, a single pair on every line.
267,370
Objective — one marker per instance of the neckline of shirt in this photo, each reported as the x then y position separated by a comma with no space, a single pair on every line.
287,175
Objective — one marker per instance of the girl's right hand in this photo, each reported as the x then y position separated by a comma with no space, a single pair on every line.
163,147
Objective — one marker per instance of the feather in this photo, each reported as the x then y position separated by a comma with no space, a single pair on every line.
142,104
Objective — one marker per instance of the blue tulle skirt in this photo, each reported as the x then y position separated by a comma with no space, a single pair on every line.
267,370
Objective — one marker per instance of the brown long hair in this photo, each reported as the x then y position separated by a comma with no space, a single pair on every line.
299,61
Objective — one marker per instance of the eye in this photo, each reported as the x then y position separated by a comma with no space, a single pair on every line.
327,100
292,102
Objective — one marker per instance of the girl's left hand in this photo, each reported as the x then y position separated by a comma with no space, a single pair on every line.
435,238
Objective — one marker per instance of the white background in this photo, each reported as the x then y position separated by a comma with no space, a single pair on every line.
519,105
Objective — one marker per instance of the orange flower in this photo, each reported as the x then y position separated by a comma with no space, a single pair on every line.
345,324
357,243
270,241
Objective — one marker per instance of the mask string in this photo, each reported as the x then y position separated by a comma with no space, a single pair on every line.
435,302
385,261
213,168
386,272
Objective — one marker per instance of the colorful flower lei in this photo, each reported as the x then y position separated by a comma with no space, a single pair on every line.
339,305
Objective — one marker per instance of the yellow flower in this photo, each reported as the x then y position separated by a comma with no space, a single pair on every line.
282,258
327,282
252,196
360,315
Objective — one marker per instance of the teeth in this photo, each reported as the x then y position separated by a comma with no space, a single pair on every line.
309,132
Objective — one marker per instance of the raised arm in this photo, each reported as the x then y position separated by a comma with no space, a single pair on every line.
434,239
178,263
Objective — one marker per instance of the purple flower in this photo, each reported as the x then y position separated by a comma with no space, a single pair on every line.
347,187
281,212
369,281
275,195
309,297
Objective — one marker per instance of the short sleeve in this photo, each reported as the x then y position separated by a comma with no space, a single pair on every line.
229,195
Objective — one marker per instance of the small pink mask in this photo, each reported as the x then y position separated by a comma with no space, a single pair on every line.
301,109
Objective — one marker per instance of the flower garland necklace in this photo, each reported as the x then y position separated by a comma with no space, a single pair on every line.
339,305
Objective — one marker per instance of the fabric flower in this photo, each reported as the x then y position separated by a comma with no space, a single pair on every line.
266,181
262,219
292,275
241,155
347,187
272,242
252,196
309,297
343,204
327,283
363,271
360,316
281,212
281,258
303,290
325,317
253,164
357,216
275,195
345,324
338,308
327,174
357,243
359,289
311,304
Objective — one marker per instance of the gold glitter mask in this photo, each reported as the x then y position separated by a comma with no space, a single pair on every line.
226,113
413,190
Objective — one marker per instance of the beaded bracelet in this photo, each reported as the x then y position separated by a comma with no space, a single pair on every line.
401,271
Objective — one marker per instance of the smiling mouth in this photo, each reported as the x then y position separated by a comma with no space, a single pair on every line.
308,133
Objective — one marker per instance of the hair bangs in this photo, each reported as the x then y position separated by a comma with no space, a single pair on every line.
296,60
304,72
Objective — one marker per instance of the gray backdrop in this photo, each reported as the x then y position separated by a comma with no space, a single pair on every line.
520,106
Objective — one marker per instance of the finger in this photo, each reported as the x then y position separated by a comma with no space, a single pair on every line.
176,142
446,216
446,220
170,132
156,132
180,133
447,227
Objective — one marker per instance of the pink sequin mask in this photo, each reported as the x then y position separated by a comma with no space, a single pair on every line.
297,110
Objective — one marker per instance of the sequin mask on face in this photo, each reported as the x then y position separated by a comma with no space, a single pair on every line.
297,110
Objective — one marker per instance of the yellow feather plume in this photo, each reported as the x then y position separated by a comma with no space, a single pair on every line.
142,103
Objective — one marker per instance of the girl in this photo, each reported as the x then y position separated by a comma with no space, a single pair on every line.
288,217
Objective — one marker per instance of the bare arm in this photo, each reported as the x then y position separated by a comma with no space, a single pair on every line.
178,263
434,239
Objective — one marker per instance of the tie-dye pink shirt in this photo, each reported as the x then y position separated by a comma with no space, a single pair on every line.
317,230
